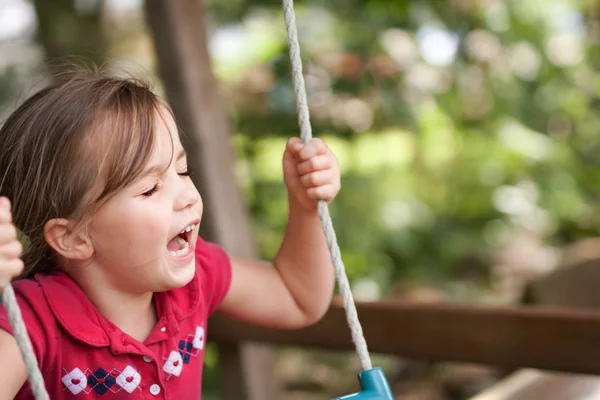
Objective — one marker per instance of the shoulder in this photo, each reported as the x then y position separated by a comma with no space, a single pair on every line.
210,255
30,298
29,288
214,269
37,316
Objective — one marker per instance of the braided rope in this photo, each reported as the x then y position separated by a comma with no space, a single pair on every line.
306,135
20,333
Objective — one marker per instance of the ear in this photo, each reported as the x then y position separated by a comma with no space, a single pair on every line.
66,242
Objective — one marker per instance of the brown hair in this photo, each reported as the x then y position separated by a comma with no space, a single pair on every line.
68,148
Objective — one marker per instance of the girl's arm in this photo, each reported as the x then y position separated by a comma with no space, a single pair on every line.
296,289
12,368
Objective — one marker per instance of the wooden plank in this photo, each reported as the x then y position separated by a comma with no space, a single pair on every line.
544,338
181,42
573,286
527,384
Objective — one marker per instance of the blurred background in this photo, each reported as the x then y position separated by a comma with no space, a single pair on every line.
467,131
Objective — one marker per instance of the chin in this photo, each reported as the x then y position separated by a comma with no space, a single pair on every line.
180,277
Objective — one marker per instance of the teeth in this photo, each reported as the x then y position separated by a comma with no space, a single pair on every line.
188,228
182,252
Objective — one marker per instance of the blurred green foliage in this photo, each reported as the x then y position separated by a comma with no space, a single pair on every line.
457,124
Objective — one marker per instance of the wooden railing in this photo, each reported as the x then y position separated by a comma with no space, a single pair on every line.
558,339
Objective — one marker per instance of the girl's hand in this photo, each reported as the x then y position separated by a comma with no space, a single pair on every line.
311,172
10,247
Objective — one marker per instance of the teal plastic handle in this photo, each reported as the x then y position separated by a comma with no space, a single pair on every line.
373,386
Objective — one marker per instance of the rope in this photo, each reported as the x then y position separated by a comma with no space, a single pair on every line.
20,333
306,135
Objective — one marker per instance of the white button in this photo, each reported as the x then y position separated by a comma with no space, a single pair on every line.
163,329
147,359
154,389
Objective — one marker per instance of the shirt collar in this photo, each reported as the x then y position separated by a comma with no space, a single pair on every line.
82,320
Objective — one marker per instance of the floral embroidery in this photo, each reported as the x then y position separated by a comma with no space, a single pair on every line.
101,381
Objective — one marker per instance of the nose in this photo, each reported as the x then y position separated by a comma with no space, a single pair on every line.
187,197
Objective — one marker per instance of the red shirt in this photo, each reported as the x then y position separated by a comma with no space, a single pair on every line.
83,355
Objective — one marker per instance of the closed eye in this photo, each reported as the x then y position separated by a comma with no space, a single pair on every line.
152,191
157,187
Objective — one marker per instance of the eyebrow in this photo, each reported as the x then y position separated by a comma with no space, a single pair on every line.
155,169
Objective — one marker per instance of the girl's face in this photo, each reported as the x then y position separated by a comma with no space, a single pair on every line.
144,236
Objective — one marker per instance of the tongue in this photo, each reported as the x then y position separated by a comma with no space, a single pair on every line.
176,243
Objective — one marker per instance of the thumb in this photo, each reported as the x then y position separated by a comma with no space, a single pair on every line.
294,145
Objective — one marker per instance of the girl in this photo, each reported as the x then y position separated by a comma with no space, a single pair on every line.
116,284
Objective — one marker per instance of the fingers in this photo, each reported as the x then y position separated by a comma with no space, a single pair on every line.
294,144
318,163
316,169
12,268
321,185
306,151
11,250
313,156
8,232
325,192
5,213
10,263
4,203
318,178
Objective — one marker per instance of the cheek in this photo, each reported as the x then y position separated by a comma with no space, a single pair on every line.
131,232
153,232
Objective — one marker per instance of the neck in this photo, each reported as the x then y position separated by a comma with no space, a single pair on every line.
133,313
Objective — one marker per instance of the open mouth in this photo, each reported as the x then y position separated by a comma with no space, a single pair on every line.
180,245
